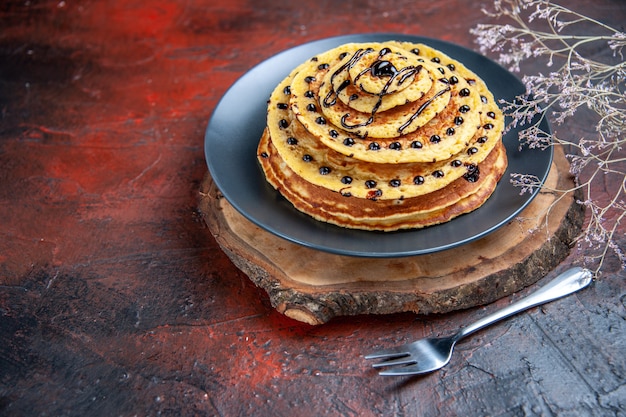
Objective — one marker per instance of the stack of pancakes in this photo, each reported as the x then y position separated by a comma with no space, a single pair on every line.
383,136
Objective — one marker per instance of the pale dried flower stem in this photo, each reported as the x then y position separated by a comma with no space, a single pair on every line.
579,82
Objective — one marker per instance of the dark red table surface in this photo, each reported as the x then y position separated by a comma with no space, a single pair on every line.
115,300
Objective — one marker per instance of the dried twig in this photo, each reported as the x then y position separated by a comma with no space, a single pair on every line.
539,29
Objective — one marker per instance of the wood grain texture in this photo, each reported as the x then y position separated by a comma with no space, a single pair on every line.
115,299
314,286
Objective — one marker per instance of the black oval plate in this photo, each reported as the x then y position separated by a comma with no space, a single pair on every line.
238,121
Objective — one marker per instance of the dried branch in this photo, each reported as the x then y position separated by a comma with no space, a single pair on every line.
539,29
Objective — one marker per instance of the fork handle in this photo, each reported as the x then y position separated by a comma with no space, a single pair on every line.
566,283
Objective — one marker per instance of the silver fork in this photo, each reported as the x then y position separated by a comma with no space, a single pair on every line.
427,355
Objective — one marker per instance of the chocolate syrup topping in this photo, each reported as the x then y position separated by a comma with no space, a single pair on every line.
348,126
380,68
331,98
383,69
421,109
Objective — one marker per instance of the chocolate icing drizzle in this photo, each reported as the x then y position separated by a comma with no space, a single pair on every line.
380,68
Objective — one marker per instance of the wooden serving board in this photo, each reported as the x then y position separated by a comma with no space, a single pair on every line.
314,286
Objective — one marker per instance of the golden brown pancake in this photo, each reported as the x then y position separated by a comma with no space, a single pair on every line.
383,136
461,196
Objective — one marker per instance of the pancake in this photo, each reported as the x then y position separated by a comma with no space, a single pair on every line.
462,196
417,127
310,158
383,136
